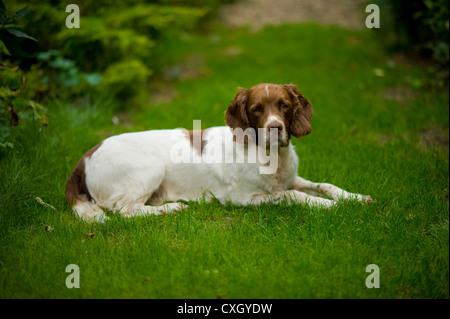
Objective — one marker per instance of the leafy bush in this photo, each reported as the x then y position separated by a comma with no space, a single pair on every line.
61,72
419,25
114,42
15,105
12,78
13,39
112,53
434,20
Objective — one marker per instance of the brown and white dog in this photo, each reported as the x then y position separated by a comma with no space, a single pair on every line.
139,173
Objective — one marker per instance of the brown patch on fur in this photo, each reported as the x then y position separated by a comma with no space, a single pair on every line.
76,188
236,113
239,139
192,133
302,112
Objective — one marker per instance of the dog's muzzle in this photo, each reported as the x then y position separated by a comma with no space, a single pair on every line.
276,134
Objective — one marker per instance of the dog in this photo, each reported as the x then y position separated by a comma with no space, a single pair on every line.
143,173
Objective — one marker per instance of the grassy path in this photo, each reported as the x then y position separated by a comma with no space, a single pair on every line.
371,135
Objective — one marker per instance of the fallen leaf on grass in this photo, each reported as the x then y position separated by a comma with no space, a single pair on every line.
90,236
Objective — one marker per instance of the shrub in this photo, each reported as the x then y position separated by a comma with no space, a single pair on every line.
112,53
114,41
420,25
12,78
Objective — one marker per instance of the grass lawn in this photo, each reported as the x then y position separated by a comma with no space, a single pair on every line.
372,134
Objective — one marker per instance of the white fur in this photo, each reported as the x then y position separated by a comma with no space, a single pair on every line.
282,134
124,172
273,118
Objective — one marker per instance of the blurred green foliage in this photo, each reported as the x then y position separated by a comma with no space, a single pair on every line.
13,38
14,104
115,41
13,80
113,53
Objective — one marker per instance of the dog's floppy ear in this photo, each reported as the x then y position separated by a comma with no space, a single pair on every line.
236,114
302,111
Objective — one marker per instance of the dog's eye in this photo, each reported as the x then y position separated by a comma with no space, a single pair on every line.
256,109
283,104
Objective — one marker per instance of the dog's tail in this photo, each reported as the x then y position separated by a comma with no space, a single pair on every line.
78,196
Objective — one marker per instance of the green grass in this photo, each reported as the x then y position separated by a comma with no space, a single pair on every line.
361,142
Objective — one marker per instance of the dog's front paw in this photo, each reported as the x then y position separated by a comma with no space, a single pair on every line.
360,198
329,203
366,199
174,207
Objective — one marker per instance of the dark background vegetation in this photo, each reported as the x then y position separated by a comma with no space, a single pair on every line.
114,53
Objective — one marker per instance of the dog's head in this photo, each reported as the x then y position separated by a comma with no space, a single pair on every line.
280,110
